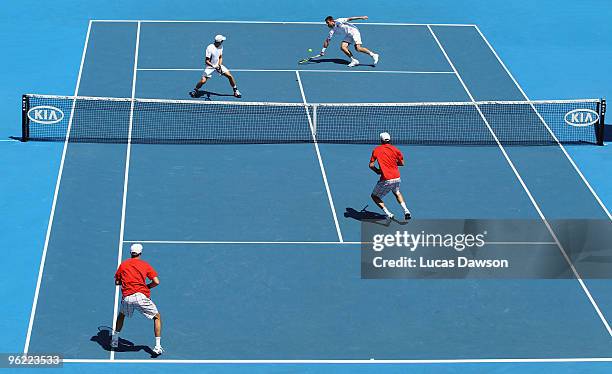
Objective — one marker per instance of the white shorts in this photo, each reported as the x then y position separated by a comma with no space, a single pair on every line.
138,302
353,37
208,71
383,187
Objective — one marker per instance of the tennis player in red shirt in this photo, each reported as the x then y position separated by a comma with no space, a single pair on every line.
132,277
389,158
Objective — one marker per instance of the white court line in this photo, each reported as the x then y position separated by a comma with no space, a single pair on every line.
307,71
570,159
531,198
9,140
297,242
321,23
316,145
521,243
126,178
237,242
370,361
55,194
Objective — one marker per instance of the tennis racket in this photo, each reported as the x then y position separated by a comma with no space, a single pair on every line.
303,61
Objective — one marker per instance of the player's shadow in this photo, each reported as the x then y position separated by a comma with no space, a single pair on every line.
338,61
364,215
207,95
103,338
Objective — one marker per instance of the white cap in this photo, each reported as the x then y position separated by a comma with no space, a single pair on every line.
219,38
385,137
136,248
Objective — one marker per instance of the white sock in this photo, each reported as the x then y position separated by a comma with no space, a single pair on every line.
371,54
235,87
387,211
158,341
403,204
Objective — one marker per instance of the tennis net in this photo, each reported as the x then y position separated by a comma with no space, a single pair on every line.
97,119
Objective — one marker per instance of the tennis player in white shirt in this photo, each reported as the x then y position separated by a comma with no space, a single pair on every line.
214,62
350,35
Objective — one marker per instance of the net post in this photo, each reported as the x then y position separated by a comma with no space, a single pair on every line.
25,121
601,126
314,120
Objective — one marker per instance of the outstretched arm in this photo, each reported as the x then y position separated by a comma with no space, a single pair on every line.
326,42
357,18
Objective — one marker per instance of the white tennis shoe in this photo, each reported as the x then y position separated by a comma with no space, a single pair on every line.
354,62
375,57
158,350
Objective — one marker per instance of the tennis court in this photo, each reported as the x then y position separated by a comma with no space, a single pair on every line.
258,245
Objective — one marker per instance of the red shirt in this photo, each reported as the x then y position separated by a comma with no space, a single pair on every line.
132,274
388,156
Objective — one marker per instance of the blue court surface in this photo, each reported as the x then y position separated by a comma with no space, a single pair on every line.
258,245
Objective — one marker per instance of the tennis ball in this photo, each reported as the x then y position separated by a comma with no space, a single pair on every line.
309,49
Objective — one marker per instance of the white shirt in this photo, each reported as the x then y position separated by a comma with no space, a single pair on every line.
213,53
341,27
